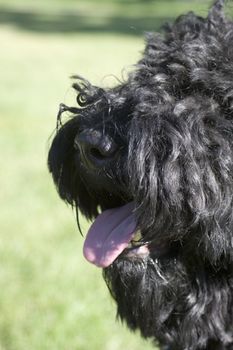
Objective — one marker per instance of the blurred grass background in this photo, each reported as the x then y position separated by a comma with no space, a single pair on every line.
50,298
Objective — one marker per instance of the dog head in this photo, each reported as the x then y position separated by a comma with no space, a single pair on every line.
154,156
158,147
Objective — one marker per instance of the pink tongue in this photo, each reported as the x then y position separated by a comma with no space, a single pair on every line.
109,235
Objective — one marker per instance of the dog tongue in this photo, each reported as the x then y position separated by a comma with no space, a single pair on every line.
109,235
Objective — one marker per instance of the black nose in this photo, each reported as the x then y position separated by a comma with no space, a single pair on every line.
96,148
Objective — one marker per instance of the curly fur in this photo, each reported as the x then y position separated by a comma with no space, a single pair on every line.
172,122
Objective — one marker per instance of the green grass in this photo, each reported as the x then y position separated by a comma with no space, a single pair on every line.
130,17
50,297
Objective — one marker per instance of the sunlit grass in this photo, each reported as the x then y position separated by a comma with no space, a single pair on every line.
164,8
131,17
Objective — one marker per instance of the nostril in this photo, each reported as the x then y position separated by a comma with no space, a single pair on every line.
94,147
103,151
96,153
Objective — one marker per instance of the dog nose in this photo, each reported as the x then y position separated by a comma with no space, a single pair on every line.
96,148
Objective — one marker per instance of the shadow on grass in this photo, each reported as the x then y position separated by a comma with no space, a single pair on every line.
73,23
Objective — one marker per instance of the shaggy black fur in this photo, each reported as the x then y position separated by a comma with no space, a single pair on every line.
164,139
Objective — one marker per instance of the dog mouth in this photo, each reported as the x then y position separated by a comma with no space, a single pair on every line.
114,233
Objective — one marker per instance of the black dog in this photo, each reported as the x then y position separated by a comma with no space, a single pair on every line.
155,156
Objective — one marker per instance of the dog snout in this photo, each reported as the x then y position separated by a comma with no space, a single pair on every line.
96,148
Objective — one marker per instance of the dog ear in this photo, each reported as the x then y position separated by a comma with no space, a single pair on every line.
181,164
205,155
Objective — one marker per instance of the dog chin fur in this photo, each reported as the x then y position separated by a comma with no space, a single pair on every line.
173,123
